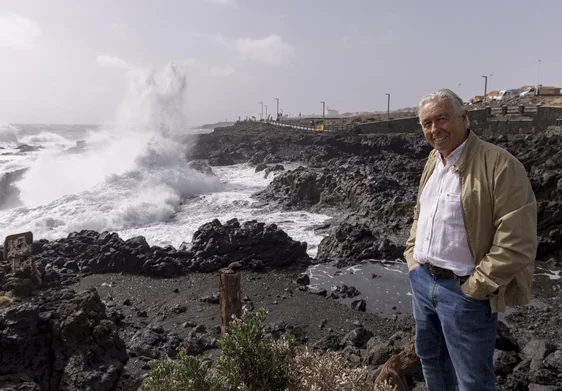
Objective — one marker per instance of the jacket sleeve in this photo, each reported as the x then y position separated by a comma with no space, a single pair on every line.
514,245
409,252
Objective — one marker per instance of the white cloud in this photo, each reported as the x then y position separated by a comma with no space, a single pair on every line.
221,71
270,50
112,62
17,32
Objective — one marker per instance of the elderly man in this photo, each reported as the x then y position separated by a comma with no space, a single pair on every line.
471,250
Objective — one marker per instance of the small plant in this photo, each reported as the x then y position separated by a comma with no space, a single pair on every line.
330,371
249,362
187,373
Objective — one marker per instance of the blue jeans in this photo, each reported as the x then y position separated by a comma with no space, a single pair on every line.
455,334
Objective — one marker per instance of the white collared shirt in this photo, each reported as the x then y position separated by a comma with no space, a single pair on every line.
441,235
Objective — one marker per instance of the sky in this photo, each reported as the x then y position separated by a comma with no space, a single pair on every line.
67,61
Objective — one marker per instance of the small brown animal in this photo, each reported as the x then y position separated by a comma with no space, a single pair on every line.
394,370
5,300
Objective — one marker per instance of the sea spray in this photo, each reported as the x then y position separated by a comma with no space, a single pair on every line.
8,135
132,172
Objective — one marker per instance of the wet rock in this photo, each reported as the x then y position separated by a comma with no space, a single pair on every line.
344,291
275,168
221,159
352,243
202,167
260,167
303,279
297,189
258,160
359,305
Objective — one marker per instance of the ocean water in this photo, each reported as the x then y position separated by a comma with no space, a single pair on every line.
131,176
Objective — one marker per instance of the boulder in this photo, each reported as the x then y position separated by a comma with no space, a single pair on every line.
66,342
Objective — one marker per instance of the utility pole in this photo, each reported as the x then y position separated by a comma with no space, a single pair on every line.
538,79
485,87
261,103
265,112
277,99
388,106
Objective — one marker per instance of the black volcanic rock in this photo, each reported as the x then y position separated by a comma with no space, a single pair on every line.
9,193
65,342
202,167
351,244
251,244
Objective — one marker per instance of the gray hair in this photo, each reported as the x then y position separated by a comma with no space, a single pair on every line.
446,93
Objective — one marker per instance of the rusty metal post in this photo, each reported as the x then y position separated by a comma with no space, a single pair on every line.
230,297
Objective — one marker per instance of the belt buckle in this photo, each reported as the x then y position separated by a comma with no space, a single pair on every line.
432,270
440,272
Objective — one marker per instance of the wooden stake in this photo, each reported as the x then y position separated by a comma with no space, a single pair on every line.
230,297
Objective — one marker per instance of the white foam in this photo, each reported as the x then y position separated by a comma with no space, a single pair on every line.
46,139
132,177
8,134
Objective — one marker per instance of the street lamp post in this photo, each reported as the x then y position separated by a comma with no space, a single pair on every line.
261,103
538,79
388,105
485,88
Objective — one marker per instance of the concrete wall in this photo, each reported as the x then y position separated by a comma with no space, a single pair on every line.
403,125
546,116
481,122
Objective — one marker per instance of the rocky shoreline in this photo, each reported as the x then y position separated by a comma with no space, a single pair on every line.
105,308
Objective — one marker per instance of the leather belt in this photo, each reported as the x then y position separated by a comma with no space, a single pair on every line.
439,272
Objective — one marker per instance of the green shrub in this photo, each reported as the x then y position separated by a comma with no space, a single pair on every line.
187,373
249,362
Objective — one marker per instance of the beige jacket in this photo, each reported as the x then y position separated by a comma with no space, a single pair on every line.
500,217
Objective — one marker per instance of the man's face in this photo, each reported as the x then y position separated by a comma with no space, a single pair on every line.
443,129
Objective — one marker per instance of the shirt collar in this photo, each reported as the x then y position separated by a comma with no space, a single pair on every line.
455,155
